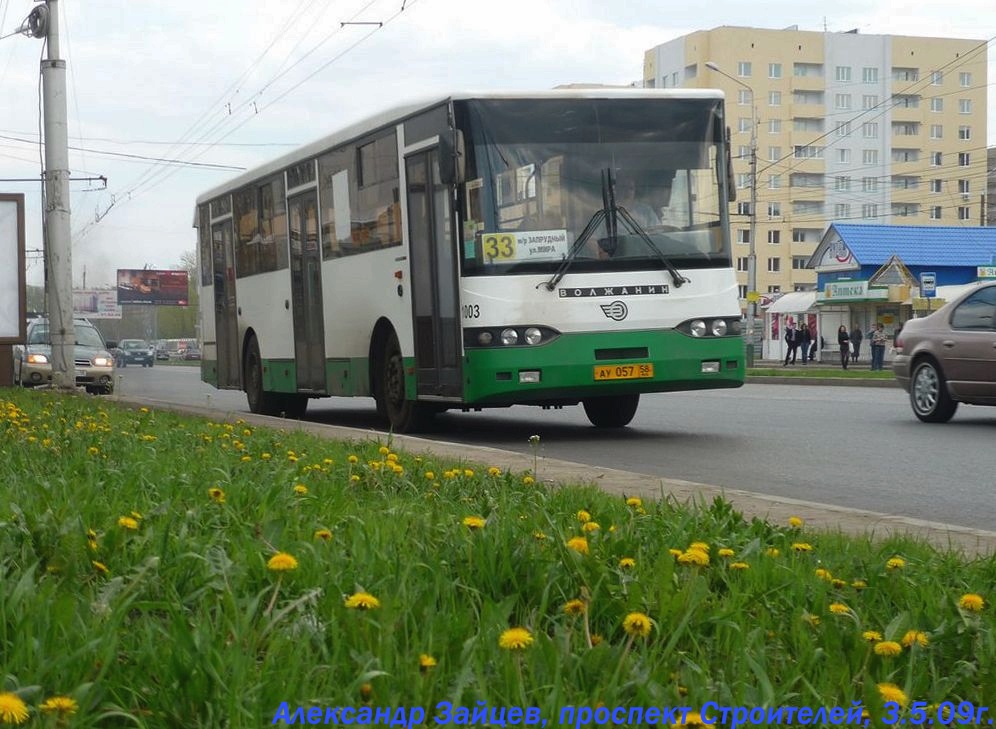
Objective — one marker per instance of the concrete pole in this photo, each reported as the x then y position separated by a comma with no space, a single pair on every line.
58,247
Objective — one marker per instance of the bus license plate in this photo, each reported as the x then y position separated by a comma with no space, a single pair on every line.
640,371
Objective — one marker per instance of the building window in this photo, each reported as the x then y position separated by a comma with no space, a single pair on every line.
964,106
964,133
774,210
843,129
774,289
869,101
869,75
774,265
964,212
743,124
936,185
774,237
869,184
842,210
936,131
743,208
842,73
844,156
742,289
743,69
774,182
743,97
936,78
774,154
842,184
905,74
808,152
842,101
774,126
743,152
869,156
937,104
935,159
964,159
743,236
774,70
963,187
869,210
869,130
799,262
743,180
774,98
742,263
965,79
935,212
674,78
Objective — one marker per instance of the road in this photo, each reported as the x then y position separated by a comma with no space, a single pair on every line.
849,446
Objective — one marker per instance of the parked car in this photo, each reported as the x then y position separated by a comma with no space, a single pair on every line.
191,353
93,363
162,354
135,351
949,357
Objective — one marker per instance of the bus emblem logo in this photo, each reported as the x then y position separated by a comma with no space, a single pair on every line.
616,311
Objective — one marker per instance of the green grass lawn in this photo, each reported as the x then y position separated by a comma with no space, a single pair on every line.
818,371
169,571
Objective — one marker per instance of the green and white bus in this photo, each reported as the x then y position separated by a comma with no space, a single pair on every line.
477,251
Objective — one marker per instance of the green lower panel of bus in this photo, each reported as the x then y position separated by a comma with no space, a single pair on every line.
575,366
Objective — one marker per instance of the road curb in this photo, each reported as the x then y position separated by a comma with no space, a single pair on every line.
820,381
553,472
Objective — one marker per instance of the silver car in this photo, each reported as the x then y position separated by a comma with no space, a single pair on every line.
93,364
949,357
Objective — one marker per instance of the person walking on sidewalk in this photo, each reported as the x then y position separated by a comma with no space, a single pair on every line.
805,338
879,340
844,340
856,337
791,343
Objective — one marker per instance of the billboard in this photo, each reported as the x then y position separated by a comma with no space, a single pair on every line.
13,326
143,286
96,303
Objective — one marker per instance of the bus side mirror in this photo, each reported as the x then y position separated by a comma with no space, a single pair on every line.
731,187
452,160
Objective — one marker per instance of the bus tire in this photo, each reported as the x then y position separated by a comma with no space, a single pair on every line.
403,415
611,411
261,401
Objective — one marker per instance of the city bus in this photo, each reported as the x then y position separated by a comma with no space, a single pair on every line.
474,251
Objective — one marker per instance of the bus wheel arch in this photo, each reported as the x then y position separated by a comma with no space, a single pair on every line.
378,343
611,411
262,401
403,415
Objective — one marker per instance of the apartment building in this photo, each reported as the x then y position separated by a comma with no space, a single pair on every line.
848,128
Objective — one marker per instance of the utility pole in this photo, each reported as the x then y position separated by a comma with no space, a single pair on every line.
44,22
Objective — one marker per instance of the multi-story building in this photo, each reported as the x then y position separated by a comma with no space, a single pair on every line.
991,187
848,128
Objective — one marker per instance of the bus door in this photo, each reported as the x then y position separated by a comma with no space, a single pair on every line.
226,325
434,278
306,292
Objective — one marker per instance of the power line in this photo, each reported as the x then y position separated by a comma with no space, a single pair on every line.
144,158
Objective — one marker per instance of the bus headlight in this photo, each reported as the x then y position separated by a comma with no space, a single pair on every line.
509,337
698,328
484,338
533,335
718,327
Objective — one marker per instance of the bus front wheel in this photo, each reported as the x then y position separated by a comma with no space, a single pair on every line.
611,411
403,414
263,402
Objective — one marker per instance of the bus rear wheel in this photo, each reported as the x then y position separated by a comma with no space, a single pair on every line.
404,415
611,411
263,402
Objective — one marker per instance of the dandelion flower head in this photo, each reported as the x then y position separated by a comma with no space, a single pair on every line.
282,562
637,625
362,601
13,710
515,639
972,602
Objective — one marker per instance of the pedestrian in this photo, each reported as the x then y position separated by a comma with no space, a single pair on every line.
844,340
856,337
791,342
812,349
878,341
805,339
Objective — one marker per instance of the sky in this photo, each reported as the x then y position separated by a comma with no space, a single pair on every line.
222,84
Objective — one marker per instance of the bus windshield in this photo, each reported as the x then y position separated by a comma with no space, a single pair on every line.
541,172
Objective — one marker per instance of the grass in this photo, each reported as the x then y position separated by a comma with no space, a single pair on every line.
136,546
818,371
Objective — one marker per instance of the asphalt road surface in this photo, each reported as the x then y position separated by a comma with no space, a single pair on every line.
859,447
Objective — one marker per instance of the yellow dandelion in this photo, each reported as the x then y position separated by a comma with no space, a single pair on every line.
354,478
62,705
352,459
127,522
813,620
430,476
795,522
392,458
246,459
583,516
896,563
802,547
692,718
324,534
468,473
300,489
281,562
694,557
13,710
838,583
515,639
266,456
93,450
634,502
426,663
494,471
823,574
627,563
100,567
575,607
871,636
674,552
216,495
473,522
362,601
578,544
839,608
725,552
859,584
917,637
888,649
637,625
739,566
891,692
972,602
701,546
773,552
528,480
590,526
539,536
383,450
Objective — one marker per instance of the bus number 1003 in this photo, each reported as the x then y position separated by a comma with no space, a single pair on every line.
640,371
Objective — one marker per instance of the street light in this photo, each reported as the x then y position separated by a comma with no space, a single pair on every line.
751,256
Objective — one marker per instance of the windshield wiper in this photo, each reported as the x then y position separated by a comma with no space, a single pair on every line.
636,228
576,247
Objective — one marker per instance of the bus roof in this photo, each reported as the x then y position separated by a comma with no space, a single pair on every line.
401,112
